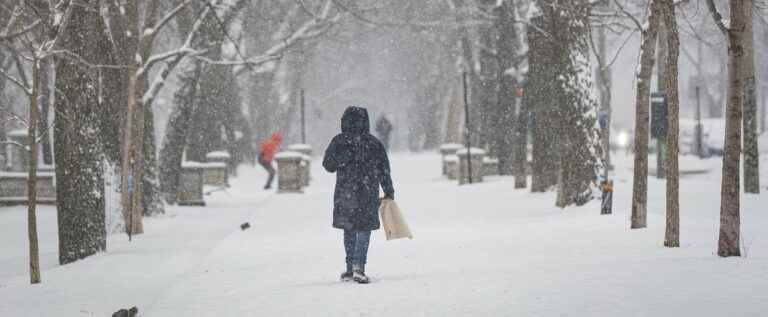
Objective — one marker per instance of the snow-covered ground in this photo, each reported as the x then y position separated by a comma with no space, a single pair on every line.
479,250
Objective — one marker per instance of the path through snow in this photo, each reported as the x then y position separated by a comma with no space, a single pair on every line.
481,250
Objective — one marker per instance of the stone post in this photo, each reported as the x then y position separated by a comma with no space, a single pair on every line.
476,159
190,191
446,150
451,167
490,166
289,172
306,165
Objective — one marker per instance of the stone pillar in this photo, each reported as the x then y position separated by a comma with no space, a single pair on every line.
306,166
289,172
215,174
465,159
446,150
190,191
451,166
305,149
490,166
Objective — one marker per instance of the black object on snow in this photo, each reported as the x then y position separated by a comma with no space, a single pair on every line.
245,226
132,312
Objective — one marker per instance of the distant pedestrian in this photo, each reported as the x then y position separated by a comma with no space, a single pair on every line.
383,130
267,150
361,166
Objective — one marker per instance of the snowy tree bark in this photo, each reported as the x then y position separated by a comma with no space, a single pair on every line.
640,182
730,218
505,58
34,253
538,86
672,233
661,79
79,156
749,121
172,151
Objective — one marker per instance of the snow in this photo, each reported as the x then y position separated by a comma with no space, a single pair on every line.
289,155
450,147
489,160
481,250
218,155
192,164
18,133
474,151
300,147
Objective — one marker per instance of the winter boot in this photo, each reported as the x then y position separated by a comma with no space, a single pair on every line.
347,275
358,275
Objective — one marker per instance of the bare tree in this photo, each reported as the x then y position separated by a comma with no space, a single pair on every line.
751,169
730,219
672,233
647,51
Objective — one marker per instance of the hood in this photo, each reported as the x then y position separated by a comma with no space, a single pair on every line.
355,120
277,137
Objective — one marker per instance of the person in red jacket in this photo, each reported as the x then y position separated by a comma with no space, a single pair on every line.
267,150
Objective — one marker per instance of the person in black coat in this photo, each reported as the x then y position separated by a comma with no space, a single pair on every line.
361,166
383,130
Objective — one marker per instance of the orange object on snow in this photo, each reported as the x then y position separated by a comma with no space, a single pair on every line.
267,149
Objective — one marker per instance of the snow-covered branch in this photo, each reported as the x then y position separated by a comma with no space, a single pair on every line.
311,29
23,86
24,30
717,16
152,31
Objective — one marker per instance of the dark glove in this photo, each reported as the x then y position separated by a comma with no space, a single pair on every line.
390,196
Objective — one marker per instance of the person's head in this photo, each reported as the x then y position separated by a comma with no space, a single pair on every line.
277,137
355,120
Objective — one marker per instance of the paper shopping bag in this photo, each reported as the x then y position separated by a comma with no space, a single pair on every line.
392,221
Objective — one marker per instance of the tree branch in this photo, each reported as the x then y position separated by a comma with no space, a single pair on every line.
716,16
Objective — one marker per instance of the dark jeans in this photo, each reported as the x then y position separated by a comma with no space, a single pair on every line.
356,246
271,170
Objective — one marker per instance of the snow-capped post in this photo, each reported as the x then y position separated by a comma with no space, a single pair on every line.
467,129
190,191
470,165
306,164
448,150
289,173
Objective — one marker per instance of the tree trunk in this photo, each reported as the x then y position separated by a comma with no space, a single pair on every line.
672,233
640,182
172,151
730,222
34,253
751,154
521,145
132,160
46,97
505,130
661,58
78,152
544,161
